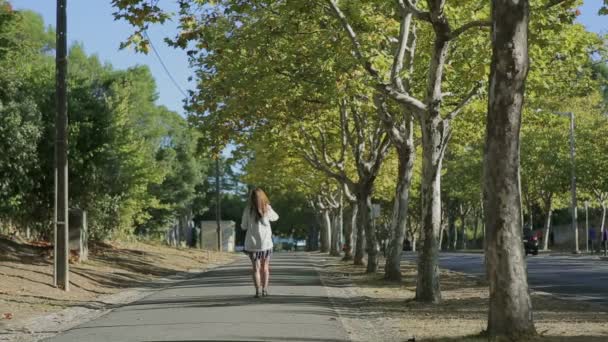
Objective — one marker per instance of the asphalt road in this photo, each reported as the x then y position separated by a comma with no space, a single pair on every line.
582,278
219,306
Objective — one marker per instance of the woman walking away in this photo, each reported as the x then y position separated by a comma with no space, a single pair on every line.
258,241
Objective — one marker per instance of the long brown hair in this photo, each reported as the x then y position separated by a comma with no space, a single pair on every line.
259,203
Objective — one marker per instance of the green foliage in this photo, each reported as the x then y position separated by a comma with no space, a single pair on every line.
604,9
592,144
265,69
131,163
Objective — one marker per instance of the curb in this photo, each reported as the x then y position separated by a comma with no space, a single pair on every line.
346,291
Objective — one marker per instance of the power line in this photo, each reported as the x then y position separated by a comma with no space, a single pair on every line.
164,66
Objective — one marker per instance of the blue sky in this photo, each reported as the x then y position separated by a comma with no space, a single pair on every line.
91,22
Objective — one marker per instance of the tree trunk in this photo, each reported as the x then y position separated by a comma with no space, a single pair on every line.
441,234
475,228
360,241
366,224
348,234
392,270
603,226
549,211
510,313
427,285
337,230
463,227
325,232
413,242
453,231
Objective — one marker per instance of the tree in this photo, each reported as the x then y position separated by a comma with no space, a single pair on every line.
436,129
545,164
510,311
23,71
592,145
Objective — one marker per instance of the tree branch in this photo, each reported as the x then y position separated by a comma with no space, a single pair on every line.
404,34
329,168
552,3
404,98
379,155
389,122
476,23
358,145
410,102
472,94
355,41
410,6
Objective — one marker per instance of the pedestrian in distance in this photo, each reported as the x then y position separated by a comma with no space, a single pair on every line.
605,241
591,239
258,238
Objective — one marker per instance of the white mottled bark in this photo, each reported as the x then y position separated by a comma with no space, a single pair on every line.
325,231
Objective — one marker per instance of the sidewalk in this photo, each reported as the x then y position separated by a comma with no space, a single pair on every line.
219,306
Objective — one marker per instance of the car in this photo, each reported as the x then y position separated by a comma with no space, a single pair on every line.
530,243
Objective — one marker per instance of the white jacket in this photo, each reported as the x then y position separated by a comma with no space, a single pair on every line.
259,234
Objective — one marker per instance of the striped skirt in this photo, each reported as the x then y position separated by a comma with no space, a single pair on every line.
261,255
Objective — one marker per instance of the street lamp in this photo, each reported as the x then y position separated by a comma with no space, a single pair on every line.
572,178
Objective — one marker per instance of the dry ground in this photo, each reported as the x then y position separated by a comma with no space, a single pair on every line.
392,315
26,275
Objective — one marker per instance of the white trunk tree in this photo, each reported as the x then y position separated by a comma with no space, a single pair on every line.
369,145
435,127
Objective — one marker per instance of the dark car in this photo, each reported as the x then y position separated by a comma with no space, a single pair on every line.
530,242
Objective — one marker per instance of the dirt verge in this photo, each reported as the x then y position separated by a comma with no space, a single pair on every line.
373,308
117,272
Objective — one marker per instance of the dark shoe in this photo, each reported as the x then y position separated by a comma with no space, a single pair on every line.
257,293
265,292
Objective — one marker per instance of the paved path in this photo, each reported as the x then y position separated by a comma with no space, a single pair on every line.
219,306
575,277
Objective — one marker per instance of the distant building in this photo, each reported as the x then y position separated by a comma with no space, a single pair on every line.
210,235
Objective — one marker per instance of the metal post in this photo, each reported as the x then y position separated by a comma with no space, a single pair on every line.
61,246
587,226
218,210
573,183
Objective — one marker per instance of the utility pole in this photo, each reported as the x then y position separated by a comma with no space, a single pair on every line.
61,246
573,183
587,226
218,210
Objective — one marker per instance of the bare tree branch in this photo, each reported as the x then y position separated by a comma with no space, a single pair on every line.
388,120
401,97
404,37
312,156
355,41
412,103
476,23
472,94
552,3
359,145
410,6
380,154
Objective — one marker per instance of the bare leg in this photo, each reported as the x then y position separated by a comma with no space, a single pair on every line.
265,273
256,275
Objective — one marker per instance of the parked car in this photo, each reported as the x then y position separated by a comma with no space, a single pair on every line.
530,242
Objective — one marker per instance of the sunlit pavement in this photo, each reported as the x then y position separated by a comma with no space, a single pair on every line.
219,306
